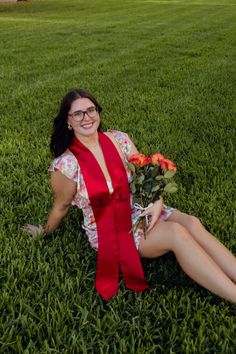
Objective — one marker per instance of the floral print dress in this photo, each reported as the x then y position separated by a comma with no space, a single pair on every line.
68,165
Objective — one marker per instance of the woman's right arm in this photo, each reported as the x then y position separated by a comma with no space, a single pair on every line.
64,190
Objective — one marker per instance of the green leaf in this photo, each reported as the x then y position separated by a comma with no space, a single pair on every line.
155,171
155,188
140,179
147,187
169,174
159,178
130,166
170,188
132,187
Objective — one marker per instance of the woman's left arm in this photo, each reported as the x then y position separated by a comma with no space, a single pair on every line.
155,210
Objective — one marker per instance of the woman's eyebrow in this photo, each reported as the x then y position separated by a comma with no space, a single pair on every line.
80,110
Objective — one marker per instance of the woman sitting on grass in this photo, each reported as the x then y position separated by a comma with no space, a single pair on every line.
89,171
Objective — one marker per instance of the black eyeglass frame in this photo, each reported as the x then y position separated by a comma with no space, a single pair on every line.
83,112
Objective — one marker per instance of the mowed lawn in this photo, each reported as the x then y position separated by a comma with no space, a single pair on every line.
164,72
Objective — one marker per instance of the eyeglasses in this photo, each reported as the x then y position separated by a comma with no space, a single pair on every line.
78,116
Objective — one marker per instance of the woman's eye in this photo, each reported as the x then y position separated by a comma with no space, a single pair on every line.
78,114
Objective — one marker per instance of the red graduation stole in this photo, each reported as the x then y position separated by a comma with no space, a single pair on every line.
112,212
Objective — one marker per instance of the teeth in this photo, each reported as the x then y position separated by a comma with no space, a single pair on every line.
87,125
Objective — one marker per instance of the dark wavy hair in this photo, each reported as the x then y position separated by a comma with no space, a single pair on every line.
61,135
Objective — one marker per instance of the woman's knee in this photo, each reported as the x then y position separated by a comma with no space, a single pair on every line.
189,221
193,223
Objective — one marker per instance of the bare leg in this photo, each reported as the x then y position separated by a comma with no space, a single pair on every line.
171,236
213,247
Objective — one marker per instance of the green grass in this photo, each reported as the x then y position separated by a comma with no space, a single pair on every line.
164,71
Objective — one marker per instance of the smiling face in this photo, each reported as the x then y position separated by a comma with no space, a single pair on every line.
83,124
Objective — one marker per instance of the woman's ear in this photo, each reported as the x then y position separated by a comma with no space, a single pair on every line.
69,124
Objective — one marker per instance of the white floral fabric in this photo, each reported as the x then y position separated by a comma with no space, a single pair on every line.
68,165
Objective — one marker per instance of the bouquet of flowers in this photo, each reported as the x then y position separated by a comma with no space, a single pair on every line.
152,176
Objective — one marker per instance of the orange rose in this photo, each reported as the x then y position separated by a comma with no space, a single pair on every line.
168,165
139,160
157,158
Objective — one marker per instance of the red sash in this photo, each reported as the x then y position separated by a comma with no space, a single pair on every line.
112,212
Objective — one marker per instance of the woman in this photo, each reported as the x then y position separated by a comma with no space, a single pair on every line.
88,171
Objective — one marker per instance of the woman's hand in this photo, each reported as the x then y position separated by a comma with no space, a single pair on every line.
64,190
33,230
153,213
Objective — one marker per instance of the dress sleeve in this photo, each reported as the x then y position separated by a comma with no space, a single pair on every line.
67,164
124,141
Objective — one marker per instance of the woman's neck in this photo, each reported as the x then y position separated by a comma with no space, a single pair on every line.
91,142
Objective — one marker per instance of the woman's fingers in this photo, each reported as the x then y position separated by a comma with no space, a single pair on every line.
152,214
150,226
146,212
28,228
152,220
32,229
